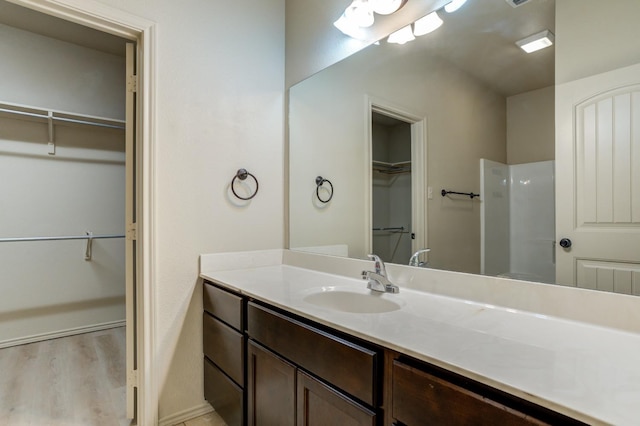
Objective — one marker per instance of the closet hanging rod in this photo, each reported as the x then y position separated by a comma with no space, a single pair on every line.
397,228
74,237
89,123
8,108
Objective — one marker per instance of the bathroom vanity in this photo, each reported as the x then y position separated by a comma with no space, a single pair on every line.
280,348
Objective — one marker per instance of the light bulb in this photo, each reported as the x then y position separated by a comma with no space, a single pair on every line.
401,36
385,7
360,13
454,5
427,24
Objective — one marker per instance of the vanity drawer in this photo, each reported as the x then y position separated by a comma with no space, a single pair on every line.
224,346
420,398
344,364
223,395
223,305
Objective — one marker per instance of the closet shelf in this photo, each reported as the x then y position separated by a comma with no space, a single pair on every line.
391,168
51,116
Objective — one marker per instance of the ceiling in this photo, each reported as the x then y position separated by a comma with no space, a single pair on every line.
49,26
480,39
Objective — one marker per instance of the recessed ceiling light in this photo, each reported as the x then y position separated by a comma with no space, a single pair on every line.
537,41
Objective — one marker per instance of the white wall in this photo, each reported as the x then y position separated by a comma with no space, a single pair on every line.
594,36
47,287
219,107
531,126
466,121
58,75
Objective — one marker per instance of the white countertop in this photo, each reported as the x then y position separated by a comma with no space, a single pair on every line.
586,371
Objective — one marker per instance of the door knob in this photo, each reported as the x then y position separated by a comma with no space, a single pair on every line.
565,243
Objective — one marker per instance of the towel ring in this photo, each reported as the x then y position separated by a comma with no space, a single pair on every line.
319,182
242,175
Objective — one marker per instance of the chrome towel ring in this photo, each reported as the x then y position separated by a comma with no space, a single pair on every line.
319,183
242,175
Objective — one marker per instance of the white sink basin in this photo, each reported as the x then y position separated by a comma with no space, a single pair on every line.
354,301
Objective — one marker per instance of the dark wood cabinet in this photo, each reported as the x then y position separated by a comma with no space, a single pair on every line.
223,394
420,398
422,394
281,387
348,366
264,366
320,405
223,344
271,385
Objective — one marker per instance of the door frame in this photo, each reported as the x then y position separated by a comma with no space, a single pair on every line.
114,21
418,169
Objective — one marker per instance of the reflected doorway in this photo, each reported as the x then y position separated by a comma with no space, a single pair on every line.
391,187
397,153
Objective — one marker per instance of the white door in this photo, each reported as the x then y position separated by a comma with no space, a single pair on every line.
598,181
131,231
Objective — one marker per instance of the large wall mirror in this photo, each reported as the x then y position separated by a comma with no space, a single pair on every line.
461,143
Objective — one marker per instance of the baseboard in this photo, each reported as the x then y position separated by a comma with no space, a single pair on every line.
61,333
185,415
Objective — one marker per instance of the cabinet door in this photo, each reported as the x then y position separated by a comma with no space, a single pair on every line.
270,388
223,394
420,398
318,404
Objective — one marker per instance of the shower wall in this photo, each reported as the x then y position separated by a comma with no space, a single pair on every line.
532,221
494,217
518,220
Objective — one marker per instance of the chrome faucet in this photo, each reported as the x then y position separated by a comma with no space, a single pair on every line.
415,260
378,281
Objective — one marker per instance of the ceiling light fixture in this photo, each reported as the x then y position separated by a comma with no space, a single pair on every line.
347,27
360,13
454,5
401,36
537,41
386,7
427,24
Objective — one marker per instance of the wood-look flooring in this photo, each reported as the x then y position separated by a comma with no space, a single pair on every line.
76,380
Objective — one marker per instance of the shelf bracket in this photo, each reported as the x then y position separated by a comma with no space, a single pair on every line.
51,145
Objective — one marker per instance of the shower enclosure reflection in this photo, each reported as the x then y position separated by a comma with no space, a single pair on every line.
518,220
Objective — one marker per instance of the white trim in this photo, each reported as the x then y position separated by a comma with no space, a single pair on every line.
61,333
114,21
185,415
418,168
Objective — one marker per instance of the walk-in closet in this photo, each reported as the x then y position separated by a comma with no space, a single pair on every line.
62,222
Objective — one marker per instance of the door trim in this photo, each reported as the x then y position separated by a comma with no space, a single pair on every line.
418,170
117,22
